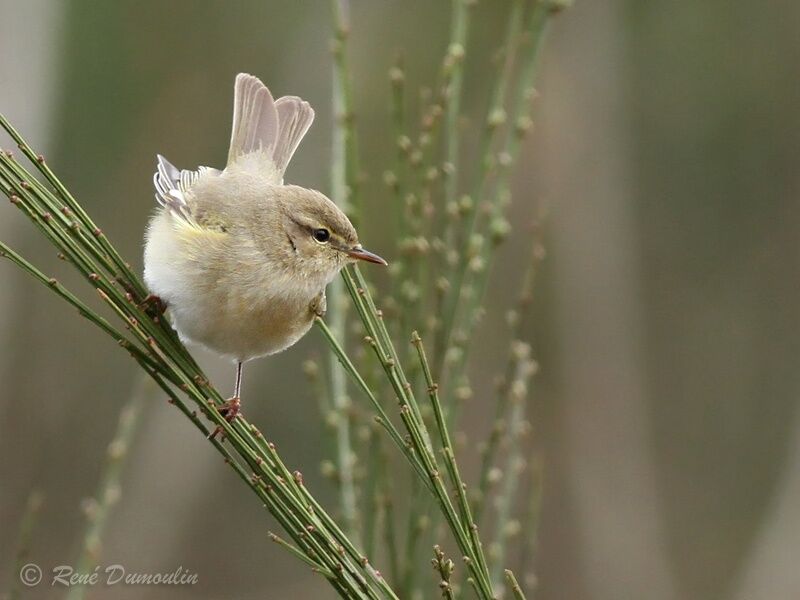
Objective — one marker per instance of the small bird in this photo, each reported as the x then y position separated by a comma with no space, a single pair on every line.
240,258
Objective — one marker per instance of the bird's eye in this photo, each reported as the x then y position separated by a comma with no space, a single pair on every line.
322,235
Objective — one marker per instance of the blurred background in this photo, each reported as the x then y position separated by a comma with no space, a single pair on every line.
667,316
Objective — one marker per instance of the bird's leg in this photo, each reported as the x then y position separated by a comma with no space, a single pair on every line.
231,408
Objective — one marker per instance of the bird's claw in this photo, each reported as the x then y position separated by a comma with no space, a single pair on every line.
228,410
153,301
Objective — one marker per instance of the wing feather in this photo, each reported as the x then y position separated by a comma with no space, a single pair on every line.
172,185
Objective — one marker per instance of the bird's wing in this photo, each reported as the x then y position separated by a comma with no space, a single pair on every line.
266,129
173,184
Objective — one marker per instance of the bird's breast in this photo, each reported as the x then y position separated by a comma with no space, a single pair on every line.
232,324
224,293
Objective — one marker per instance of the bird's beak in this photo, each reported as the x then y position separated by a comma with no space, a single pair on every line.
361,254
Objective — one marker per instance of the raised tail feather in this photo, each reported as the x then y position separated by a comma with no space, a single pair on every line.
261,124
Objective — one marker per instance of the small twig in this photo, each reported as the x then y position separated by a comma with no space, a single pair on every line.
98,509
382,419
345,158
344,188
302,556
373,509
389,532
396,179
464,534
27,525
345,457
456,481
476,250
516,320
514,585
445,567
515,461
459,30
531,520
417,523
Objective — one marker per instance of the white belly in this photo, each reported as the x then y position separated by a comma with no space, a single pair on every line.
241,334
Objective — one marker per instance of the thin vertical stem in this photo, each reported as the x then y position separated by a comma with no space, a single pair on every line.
26,528
99,508
345,141
459,30
396,180
445,567
516,318
344,190
531,518
456,481
475,250
378,337
345,457
515,461
513,584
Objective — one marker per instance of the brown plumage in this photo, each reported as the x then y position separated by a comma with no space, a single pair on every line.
241,259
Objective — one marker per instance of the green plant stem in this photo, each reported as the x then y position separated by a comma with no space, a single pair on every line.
372,514
459,30
386,486
344,189
445,567
474,257
456,481
515,461
416,523
532,517
418,245
514,586
411,273
301,555
27,525
383,347
83,310
425,175
494,119
345,144
156,348
37,159
540,18
345,457
397,178
99,508
516,320
454,59
382,419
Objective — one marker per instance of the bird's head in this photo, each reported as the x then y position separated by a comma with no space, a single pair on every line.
319,237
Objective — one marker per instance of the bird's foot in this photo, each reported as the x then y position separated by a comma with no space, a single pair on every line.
153,301
229,410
